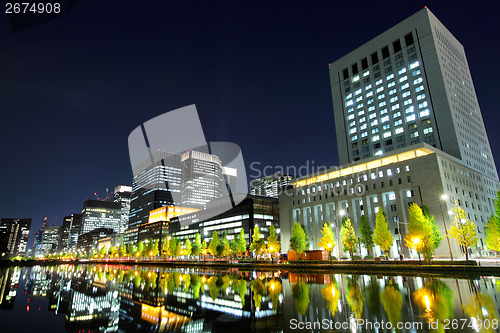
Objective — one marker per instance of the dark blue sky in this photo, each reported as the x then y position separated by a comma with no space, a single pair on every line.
72,90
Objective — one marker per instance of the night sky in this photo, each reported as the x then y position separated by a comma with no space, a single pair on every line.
72,89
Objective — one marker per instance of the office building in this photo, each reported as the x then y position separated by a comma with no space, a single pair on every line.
122,194
408,85
393,182
101,214
14,236
69,232
270,186
250,212
50,240
87,242
202,179
156,183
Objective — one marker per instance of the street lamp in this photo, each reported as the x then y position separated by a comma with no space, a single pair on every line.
444,197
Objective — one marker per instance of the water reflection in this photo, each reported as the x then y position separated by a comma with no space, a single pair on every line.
120,298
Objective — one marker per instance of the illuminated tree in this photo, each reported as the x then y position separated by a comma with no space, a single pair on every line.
103,250
178,248
273,244
258,245
463,230
349,238
365,233
154,248
308,245
172,246
140,248
381,235
436,234
242,244
492,239
214,242
226,247
298,240
123,250
196,247
327,239
420,233
204,248
187,248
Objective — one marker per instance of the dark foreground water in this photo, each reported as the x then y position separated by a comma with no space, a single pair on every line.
102,298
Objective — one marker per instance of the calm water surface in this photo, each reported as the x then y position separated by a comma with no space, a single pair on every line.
102,298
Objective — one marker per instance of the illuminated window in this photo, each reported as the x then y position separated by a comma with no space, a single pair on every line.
410,109
360,113
373,115
398,122
419,88
415,73
375,130
357,92
364,126
391,84
364,134
403,79
392,92
349,102
350,110
428,130
380,89
397,114
414,134
417,81
352,123
394,107
401,71
386,126
380,96
421,96
405,86
378,82
381,104
406,94
414,64
354,138
394,99
359,98
399,130
390,77
424,113
392,196
407,102
374,123
348,96
371,108
365,74
387,134
385,119
368,87
389,172
355,79
369,94
383,111
370,101
350,117
378,153
361,120
410,118
422,105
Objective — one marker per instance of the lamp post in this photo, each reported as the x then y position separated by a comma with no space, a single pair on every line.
341,213
444,197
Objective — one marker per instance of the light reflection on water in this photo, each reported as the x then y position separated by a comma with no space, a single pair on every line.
102,298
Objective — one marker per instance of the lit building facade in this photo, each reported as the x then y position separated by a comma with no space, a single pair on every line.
87,242
250,212
50,240
270,186
14,236
408,85
69,232
101,214
122,194
393,182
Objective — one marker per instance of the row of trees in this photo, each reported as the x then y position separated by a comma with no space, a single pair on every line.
423,233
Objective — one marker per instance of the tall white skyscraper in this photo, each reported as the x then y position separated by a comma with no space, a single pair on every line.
409,84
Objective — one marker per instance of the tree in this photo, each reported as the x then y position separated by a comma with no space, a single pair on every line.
196,247
214,242
349,238
226,247
140,248
327,240
273,244
187,248
242,243
123,250
153,251
492,235
258,245
178,248
234,244
463,230
365,233
103,251
436,234
381,235
132,250
298,239
204,248
420,235
308,245
172,246
165,248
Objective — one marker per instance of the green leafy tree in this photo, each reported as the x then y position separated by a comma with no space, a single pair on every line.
492,235
103,250
234,244
204,248
226,247
123,250
196,247
242,244
381,235
154,248
298,240
420,233
365,233
132,250
463,230
214,242
273,244
349,238
436,234
172,246
327,239
165,248
140,248
178,249
258,245
188,248
308,245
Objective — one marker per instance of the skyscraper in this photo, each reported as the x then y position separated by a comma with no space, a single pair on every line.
122,194
202,179
101,214
410,84
69,232
157,183
50,240
269,186
14,236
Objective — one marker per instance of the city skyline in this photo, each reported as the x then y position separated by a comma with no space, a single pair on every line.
83,174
